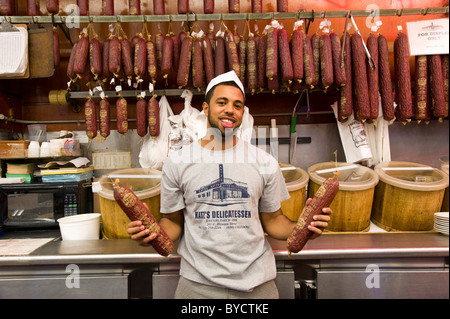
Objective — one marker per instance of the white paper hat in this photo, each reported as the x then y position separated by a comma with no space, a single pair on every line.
225,77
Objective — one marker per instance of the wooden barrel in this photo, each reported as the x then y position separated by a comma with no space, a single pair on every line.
352,204
296,180
407,196
444,168
144,182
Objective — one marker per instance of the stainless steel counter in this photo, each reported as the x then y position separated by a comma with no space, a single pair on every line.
409,265
328,246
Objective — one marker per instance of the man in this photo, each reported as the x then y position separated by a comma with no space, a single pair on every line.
219,195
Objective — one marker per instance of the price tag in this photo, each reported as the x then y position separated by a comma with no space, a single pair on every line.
96,187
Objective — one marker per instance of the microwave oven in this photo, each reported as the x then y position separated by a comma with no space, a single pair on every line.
40,205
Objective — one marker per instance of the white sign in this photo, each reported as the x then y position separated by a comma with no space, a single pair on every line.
428,37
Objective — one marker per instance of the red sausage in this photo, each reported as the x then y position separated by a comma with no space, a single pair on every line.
403,94
115,55
272,53
197,64
104,118
282,6
166,56
127,60
345,102
141,117
220,57
33,8
90,115
257,6
233,6
372,76
108,7
52,6
81,55
134,7
297,55
95,57
122,115
185,62
151,60
208,6
140,57
159,7
384,77
360,87
153,117
183,6
338,67
105,60
287,72
83,6
176,51
208,59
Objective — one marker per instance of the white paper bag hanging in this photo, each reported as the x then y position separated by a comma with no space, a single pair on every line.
354,139
14,52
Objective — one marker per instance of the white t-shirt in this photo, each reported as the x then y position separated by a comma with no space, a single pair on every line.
221,194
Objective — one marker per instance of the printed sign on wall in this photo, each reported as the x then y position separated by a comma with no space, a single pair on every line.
428,37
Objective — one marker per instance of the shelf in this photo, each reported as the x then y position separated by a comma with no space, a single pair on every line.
191,17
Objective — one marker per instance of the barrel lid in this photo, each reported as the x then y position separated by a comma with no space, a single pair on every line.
294,177
144,182
412,176
352,177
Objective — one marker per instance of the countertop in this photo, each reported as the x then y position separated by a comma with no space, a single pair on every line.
327,246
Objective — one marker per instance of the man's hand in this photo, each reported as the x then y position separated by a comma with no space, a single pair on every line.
140,234
320,222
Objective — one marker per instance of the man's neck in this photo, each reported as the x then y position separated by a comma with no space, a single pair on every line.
218,143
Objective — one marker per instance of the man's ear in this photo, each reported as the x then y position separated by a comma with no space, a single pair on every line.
205,107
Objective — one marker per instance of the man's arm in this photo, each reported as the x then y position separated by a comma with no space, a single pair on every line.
278,226
171,223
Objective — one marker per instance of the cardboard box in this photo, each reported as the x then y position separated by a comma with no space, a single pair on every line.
14,149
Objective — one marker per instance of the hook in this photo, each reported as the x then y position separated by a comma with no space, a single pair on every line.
323,15
424,11
399,12
91,19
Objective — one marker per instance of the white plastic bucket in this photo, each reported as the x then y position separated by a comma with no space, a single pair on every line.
80,227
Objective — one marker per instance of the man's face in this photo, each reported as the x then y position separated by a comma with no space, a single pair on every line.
225,110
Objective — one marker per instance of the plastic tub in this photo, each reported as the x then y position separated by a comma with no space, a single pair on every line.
296,180
37,132
407,196
144,182
80,227
352,204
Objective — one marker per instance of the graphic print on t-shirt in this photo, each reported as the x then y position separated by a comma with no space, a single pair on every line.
223,204
222,191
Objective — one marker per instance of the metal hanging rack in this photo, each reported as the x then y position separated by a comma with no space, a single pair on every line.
191,17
